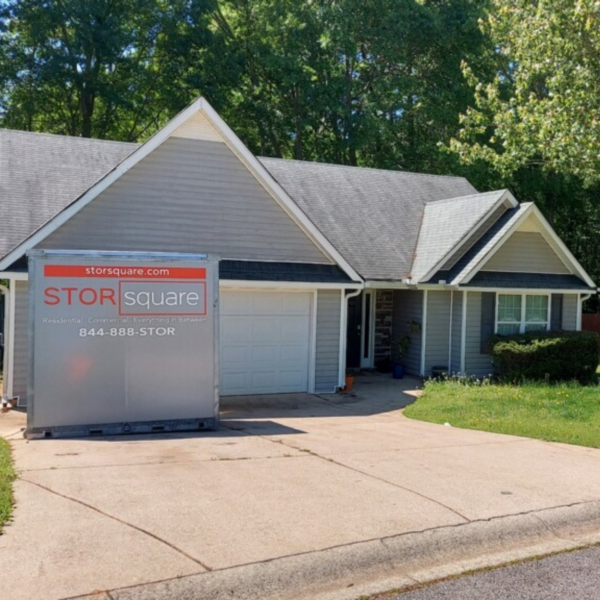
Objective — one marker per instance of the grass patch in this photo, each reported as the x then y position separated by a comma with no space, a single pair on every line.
7,476
568,412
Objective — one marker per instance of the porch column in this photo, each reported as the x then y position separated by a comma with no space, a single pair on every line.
463,335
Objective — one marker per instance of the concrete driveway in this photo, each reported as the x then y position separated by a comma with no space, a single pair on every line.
284,477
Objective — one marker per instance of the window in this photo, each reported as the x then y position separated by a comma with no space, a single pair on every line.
518,313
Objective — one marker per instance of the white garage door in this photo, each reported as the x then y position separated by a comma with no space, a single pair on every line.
265,340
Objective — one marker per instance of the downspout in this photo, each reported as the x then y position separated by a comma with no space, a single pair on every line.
5,359
344,335
581,298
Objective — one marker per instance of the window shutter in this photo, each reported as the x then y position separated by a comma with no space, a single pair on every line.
556,311
488,319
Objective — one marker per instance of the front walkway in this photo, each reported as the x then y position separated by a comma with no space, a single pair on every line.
286,476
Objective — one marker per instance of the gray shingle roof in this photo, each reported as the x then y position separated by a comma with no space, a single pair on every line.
371,216
447,222
40,174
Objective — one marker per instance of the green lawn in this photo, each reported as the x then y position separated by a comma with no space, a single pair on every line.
7,476
568,413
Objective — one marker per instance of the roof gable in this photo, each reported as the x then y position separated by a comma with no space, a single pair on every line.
188,196
520,220
188,125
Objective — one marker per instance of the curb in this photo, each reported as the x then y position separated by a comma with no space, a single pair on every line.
365,568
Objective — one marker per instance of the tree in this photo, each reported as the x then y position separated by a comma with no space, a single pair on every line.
543,106
100,68
375,83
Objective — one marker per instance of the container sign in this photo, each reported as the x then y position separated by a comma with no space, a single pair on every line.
122,339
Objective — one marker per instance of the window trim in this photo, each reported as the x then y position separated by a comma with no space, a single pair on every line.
523,305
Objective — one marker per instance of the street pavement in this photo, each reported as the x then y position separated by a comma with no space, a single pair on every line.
296,496
569,576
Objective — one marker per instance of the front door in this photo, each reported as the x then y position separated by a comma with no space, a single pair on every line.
353,344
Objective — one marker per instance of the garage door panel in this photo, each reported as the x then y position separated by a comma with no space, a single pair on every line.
263,356
235,330
265,382
267,304
291,354
233,304
265,340
294,328
296,304
237,355
267,329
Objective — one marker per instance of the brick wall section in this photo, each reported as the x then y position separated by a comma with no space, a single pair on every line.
384,305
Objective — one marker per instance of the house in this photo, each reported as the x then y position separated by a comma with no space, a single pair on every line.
323,267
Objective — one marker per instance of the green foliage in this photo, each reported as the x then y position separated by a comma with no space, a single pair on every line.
375,83
7,476
551,356
104,68
567,413
542,106
401,348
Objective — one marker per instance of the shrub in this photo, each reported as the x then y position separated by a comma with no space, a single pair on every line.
550,356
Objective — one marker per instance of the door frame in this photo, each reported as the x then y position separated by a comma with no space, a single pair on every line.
368,361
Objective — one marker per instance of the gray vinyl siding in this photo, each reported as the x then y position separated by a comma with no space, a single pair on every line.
457,305
188,196
477,234
408,306
20,367
526,252
328,340
475,363
437,331
569,316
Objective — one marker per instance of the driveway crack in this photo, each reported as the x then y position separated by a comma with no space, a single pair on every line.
355,470
121,521
546,526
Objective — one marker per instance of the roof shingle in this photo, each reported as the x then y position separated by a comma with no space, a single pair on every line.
40,174
371,216
445,224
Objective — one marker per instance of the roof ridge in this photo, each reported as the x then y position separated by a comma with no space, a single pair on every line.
71,137
454,198
327,164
